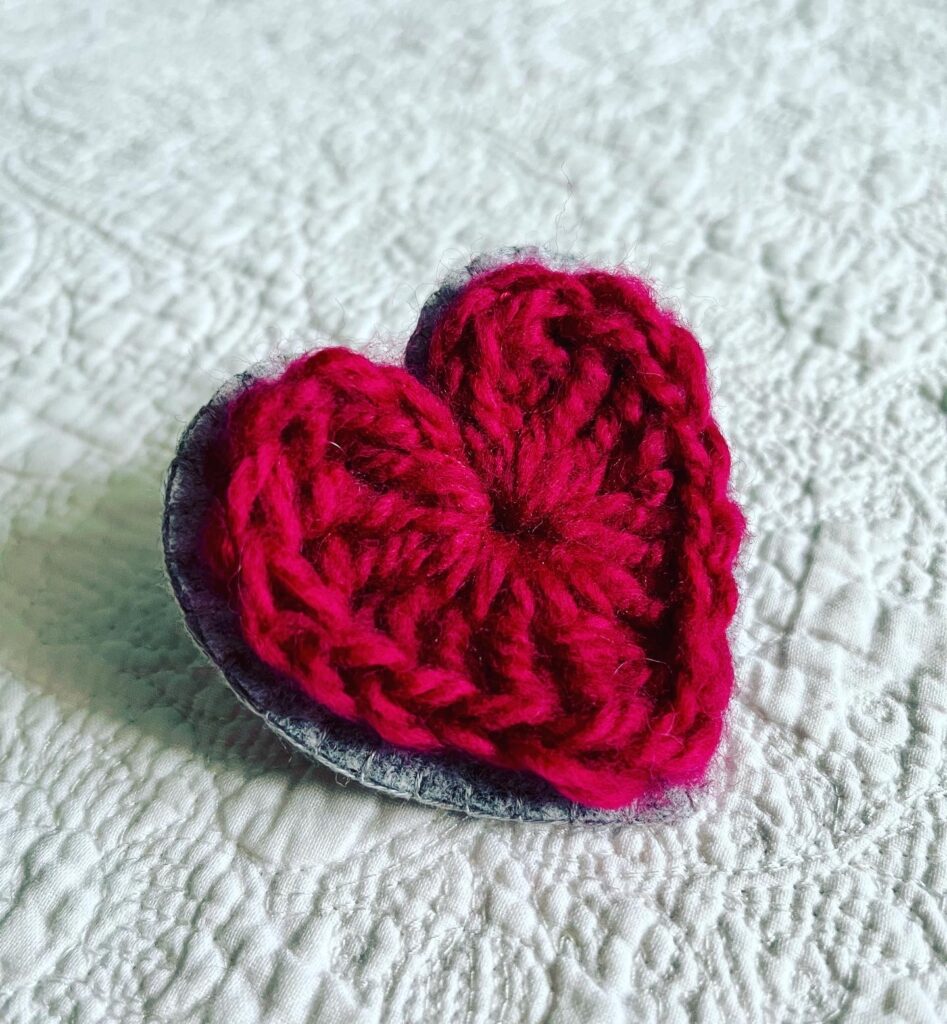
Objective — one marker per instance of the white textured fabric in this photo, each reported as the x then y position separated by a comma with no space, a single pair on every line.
187,186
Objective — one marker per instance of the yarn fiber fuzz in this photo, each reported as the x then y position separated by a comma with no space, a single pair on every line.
521,549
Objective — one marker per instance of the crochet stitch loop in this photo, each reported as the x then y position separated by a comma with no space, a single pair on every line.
524,551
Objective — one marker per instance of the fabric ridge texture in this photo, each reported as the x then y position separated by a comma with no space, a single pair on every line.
189,189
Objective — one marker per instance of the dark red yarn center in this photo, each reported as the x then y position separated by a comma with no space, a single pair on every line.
527,557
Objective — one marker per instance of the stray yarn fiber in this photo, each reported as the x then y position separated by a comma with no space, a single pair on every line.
522,550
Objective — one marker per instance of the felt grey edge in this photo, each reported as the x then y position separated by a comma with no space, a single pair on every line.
451,782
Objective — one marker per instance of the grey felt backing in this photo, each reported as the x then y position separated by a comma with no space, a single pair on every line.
454,781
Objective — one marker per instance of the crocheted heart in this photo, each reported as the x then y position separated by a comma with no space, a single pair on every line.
522,550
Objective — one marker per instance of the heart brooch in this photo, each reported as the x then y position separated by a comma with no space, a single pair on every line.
497,577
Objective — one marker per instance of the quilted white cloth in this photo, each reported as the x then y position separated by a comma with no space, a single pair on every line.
188,186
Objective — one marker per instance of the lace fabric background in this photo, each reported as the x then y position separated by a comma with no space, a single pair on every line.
189,188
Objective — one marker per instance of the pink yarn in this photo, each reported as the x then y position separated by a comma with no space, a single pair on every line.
527,557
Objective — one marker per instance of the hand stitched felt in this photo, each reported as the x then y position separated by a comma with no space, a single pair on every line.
523,550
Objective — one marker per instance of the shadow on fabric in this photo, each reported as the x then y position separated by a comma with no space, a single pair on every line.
90,621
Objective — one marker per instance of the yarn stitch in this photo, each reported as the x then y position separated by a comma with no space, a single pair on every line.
523,550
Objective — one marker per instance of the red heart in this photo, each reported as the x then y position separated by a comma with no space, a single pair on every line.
526,557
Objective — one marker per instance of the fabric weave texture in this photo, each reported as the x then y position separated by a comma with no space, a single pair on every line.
189,189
